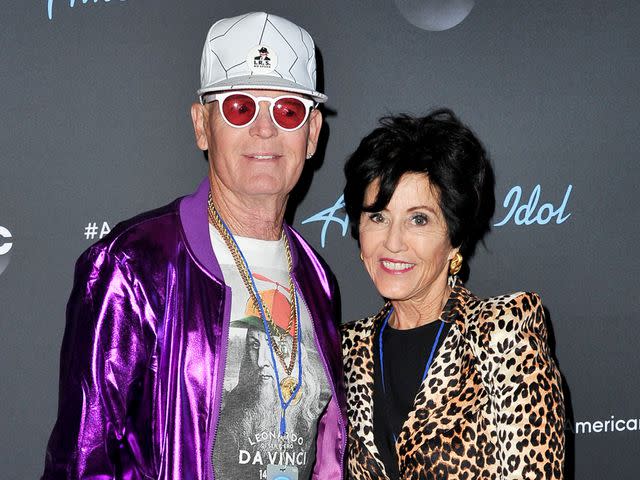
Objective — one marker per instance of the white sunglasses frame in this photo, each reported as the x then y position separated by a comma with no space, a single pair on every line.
221,97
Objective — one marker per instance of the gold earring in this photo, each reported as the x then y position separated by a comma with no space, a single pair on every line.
455,264
361,257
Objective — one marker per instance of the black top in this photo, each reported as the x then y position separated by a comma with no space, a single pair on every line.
405,355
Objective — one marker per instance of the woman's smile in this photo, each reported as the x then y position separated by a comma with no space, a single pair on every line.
395,267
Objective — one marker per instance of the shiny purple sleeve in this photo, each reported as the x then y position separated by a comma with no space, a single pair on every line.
332,424
102,362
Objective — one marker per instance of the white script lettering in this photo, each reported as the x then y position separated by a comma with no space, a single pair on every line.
529,213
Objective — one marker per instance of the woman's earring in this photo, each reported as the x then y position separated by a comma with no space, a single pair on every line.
361,257
455,264
309,155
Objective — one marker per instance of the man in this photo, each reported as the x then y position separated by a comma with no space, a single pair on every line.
264,55
169,311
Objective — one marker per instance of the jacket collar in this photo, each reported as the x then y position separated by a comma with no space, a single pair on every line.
195,225
453,378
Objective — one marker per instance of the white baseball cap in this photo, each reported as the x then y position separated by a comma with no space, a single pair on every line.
259,51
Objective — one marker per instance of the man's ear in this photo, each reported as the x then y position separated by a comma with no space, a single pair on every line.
199,118
315,124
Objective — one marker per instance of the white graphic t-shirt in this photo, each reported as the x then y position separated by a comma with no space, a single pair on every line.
248,432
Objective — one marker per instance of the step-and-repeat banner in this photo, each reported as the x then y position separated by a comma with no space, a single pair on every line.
95,98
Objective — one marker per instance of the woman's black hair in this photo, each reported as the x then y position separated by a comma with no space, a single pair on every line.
438,145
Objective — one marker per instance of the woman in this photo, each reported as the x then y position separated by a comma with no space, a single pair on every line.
440,384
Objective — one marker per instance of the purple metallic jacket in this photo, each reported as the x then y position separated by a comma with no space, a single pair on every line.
144,352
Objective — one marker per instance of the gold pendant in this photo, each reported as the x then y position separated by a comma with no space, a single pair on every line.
288,385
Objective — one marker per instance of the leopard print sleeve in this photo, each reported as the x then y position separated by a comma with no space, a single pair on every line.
524,386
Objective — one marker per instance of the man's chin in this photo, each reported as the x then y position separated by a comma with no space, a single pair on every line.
265,381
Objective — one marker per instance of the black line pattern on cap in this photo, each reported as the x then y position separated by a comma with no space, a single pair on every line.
266,19
226,71
303,43
227,30
237,65
309,53
292,49
264,25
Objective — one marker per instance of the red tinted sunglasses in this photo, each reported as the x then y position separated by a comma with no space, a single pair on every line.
240,109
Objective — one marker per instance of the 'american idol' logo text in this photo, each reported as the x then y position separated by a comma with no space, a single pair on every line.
72,3
328,216
521,213
529,213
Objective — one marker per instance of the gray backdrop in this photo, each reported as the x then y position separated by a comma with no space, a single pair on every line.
94,106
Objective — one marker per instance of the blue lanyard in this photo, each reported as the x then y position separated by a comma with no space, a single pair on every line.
381,352
283,404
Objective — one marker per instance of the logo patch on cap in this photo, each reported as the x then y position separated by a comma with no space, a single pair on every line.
262,59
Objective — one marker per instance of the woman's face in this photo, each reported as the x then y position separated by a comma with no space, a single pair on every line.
405,247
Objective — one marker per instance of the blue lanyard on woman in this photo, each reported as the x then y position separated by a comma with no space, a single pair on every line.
381,353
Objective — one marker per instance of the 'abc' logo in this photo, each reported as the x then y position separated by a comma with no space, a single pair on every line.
5,247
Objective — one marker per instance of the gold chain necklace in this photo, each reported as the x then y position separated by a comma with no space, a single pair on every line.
216,221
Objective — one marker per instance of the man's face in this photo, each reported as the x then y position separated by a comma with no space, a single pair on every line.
257,359
260,160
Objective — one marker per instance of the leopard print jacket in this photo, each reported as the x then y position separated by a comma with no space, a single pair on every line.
491,406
